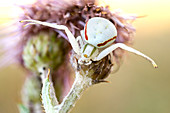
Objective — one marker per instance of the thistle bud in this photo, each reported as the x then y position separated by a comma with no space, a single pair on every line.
31,94
43,50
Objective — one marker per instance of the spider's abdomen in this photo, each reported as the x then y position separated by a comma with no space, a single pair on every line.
99,32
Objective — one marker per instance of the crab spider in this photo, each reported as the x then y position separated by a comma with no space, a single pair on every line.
96,40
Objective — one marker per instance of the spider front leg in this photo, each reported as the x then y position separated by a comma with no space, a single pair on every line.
79,39
115,66
71,38
106,51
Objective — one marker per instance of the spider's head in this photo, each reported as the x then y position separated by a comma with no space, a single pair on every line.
88,52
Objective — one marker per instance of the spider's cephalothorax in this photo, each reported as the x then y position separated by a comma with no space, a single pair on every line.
98,33
96,40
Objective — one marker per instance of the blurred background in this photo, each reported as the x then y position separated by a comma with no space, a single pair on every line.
136,88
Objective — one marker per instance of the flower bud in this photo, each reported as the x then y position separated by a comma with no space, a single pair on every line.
43,50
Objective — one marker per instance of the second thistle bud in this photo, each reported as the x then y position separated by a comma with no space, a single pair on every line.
44,49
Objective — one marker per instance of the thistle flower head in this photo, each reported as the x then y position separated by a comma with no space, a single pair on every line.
99,70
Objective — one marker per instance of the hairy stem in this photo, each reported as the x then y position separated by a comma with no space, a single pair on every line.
81,83
49,99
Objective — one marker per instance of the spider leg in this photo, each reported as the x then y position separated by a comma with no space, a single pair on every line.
111,58
71,38
106,51
115,66
79,39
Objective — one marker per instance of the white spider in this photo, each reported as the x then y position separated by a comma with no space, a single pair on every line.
96,40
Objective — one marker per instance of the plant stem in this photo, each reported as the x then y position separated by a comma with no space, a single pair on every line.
81,83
